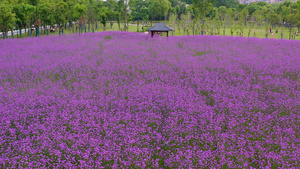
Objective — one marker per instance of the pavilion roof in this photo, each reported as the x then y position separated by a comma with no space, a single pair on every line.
160,27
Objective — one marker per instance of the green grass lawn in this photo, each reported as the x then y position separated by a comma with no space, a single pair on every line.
260,32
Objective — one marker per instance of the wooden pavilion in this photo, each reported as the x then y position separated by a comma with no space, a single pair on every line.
158,28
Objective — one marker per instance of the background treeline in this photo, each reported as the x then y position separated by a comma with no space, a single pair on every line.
192,16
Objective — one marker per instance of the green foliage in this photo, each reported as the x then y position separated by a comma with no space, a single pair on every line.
274,18
228,3
199,15
145,13
7,17
79,10
46,13
159,8
203,7
61,10
104,13
139,9
243,16
222,10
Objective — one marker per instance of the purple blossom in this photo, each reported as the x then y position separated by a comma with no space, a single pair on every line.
138,102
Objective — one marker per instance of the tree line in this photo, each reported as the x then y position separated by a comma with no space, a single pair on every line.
199,15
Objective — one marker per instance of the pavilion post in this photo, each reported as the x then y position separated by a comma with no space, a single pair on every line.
167,34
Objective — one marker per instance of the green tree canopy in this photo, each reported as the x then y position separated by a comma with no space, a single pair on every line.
227,3
7,17
159,8
46,12
61,11
79,10
203,7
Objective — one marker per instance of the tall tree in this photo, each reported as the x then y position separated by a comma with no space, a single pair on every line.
273,18
258,17
79,11
159,9
46,12
136,8
104,13
20,15
61,10
123,9
29,13
243,16
222,12
145,14
203,7
7,18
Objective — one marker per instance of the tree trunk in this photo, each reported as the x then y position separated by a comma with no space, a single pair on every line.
6,33
30,30
193,29
290,33
58,28
37,29
125,20
12,32
20,29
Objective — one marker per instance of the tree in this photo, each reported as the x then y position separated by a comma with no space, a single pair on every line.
24,14
20,15
284,12
253,7
111,4
227,3
7,18
228,19
123,9
79,14
297,16
185,22
145,14
92,14
258,16
136,8
104,12
243,16
273,18
33,2
225,15
69,17
82,21
61,13
172,21
159,9
46,13
222,12
79,11
187,1
203,7
180,10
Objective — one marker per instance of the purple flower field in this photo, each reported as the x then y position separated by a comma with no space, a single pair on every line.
105,100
